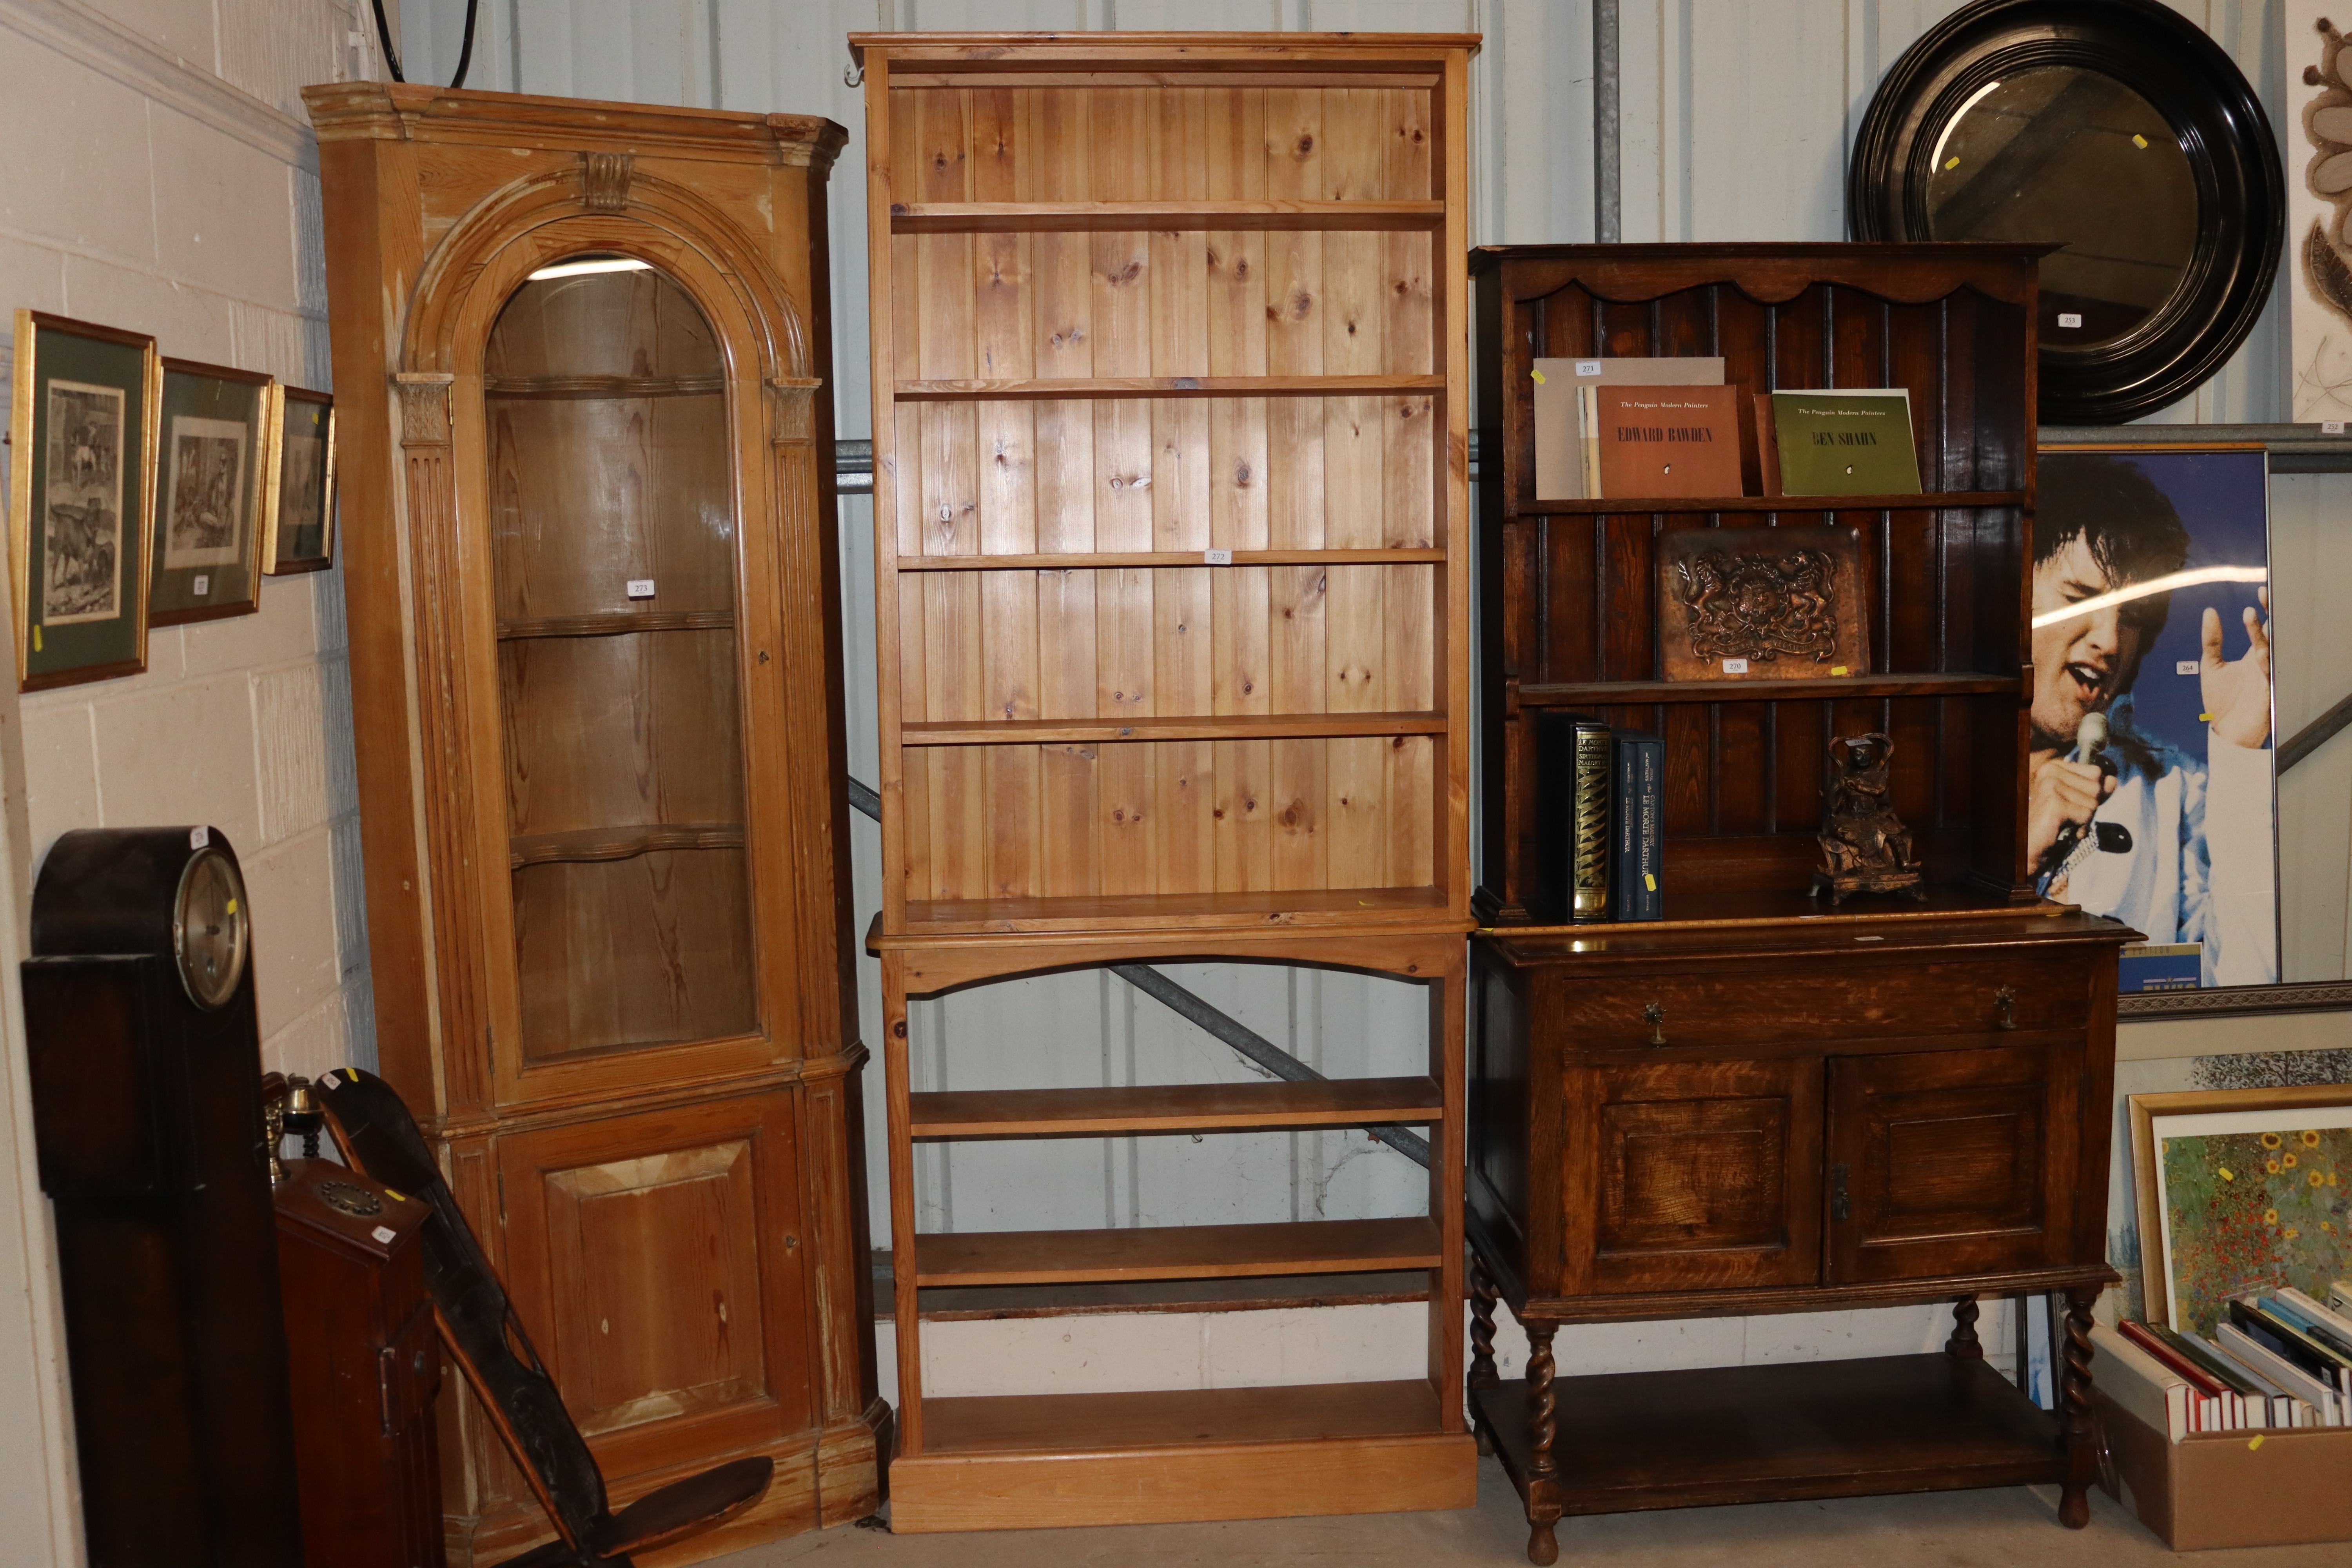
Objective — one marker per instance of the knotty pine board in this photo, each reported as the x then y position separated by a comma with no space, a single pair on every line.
1177,474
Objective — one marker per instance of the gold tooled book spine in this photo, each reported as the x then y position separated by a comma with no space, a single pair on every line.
1589,855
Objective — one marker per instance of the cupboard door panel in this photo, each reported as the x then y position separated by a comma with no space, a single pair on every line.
1953,1162
1692,1175
655,1258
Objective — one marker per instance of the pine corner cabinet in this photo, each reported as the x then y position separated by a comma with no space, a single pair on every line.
1759,1104
581,352
1172,579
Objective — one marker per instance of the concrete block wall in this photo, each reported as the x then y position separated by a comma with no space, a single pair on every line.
164,180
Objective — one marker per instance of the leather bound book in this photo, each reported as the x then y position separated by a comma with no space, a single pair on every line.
1667,441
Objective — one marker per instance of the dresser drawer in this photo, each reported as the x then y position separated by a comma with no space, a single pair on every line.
1811,1001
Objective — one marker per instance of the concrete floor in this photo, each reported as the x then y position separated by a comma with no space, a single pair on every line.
2015,1527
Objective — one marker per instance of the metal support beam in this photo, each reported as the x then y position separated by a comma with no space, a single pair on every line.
1223,1026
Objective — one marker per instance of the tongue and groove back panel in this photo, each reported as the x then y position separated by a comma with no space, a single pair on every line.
1213,734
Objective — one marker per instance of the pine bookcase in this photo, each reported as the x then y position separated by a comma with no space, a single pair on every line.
1172,578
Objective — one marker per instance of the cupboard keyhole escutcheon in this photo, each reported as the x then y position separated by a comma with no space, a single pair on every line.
1655,1014
1841,1207
2005,1002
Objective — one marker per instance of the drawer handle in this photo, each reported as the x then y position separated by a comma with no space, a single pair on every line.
1841,1207
2005,999
1655,1014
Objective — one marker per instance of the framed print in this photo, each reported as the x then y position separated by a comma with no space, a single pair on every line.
82,495
218,448
2151,796
300,532
2240,1190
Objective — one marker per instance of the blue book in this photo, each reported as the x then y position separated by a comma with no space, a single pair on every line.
1636,808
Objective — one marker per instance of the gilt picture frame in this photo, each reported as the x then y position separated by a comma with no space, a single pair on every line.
85,408
218,445
2223,1181
298,511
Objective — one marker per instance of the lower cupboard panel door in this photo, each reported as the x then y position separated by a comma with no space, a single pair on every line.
655,1260
1692,1176
1953,1162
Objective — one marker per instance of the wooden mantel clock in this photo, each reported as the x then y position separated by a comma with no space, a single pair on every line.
146,1075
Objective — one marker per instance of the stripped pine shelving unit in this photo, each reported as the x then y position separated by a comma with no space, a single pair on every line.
1172,579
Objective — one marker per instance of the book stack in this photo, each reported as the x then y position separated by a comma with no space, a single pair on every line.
2279,1360
1601,857
1670,428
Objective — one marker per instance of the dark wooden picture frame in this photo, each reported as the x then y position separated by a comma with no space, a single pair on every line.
218,447
86,621
2232,154
298,530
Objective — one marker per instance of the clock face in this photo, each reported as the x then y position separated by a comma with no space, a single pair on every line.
209,928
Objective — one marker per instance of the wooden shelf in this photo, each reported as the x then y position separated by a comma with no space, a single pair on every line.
621,843
1831,688
615,623
1207,912
1004,217
584,386
1273,726
1166,386
1789,908
1166,1456
1107,560
1176,1108
1657,506
1176,1252
1153,1418
1255,1293
1756,1434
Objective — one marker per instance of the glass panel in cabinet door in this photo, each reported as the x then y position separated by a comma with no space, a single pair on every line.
612,544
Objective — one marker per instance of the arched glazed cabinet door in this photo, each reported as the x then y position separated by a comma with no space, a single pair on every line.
613,535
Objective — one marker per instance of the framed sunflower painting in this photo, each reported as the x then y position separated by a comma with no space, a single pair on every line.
2243,1190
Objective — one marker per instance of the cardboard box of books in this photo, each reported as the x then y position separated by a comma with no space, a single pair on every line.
2240,1438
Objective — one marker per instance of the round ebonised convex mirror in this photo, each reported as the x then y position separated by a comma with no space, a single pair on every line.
2115,131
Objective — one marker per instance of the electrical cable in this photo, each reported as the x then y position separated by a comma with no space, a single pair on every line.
464,50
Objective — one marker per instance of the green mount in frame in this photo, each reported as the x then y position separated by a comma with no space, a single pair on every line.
219,449
82,488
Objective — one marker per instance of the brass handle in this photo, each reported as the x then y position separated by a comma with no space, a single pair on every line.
2005,999
1655,1014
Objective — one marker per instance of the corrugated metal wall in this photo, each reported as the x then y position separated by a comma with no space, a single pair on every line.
1736,121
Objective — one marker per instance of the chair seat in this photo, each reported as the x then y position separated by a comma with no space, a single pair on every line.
683,1508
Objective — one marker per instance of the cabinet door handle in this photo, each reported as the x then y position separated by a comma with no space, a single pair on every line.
1841,1207
2005,1002
1655,1014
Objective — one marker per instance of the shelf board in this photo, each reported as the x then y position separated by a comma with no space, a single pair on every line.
1176,1107
1003,218
1830,689
620,843
1158,912
1709,1436
1176,1252
562,387
1166,386
1175,1417
1257,1293
615,623
1081,732
1108,560
1656,506
1168,1455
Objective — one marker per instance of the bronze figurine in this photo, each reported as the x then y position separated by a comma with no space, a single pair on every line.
1865,849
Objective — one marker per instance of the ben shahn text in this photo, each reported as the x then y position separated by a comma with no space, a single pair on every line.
1845,438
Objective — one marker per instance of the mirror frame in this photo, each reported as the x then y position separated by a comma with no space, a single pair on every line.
2188,79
